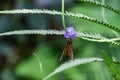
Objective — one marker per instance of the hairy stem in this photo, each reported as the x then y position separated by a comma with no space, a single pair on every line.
101,5
54,12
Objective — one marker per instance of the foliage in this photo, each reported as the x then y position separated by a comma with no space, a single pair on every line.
76,18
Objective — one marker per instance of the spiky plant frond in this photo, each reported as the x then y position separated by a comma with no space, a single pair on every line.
54,12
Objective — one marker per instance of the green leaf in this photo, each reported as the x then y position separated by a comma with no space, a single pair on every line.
113,68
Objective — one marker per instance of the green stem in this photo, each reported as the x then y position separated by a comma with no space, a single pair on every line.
63,18
103,12
40,65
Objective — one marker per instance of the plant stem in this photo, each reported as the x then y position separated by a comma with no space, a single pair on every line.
40,64
103,12
63,18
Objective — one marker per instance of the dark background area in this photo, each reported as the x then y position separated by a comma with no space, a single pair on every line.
17,61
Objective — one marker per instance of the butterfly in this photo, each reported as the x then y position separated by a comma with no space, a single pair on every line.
69,34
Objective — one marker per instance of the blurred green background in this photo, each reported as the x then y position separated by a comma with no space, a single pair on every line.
17,61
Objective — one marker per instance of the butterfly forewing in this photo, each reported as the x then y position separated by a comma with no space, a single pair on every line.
68,50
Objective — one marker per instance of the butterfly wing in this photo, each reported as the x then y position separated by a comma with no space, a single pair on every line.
64,53
69,48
